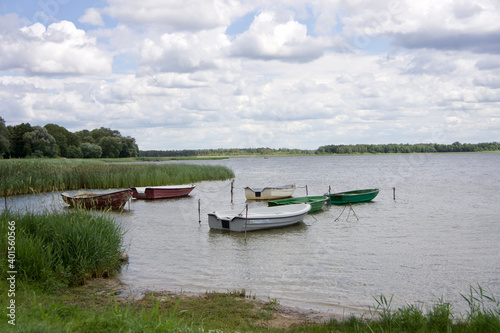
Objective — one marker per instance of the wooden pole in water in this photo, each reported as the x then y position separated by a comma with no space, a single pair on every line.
232,187
394,193
199,210
307,192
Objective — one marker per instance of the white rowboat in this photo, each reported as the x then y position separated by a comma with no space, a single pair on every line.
269,193
258,218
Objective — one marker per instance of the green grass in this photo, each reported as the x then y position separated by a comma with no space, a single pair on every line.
44,175
80,309
60,248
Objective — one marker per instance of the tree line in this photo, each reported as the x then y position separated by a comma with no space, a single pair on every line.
52,140
332,149
408,148
224,152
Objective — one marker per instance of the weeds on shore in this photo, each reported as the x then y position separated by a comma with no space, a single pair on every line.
55,249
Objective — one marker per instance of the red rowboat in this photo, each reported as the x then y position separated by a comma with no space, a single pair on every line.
161,192
116,199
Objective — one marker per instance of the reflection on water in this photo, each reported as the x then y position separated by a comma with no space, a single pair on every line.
438,238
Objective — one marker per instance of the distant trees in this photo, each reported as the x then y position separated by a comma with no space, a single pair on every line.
64,138
224,152
110,141
39,143
391,148
55,141
90,150
17,145
74,152
407,148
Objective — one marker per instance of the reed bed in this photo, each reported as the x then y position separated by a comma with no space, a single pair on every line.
62,248
45,175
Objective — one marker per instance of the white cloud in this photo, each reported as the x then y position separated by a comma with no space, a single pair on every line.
59,49
92,16
271,37
9,23
176,15
181,52
456,25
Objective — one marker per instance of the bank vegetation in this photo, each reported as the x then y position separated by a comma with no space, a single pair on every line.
24,176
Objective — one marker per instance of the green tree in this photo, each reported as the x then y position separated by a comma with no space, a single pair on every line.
456,146
74,152
17,144
4,139
84,136
111,146
102,132
90,150
129,147
64,138
40,143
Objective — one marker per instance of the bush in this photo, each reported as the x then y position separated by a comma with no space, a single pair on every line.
90,150
74,152
64,248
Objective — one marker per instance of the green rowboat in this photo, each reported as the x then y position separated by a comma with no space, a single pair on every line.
341,198
316,202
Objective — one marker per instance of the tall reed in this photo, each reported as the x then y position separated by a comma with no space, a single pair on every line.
44,175
64,248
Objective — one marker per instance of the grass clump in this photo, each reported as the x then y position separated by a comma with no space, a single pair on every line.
484,311
61,248
44,175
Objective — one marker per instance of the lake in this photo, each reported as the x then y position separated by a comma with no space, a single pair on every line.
436,239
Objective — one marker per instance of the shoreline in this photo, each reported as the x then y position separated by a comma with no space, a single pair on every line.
283,316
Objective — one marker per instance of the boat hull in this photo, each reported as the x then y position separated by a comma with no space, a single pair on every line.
161,192
258,219
342,198
116,199
316,202
269,193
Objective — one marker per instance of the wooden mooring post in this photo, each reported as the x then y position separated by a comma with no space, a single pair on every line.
199,210
232,190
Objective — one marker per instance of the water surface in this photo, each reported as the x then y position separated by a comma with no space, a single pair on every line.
436,239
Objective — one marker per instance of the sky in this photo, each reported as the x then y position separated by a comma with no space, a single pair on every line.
208,74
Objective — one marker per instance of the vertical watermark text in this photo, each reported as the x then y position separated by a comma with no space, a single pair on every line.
11,273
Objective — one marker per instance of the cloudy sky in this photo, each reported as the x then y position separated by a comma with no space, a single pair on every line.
194,74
